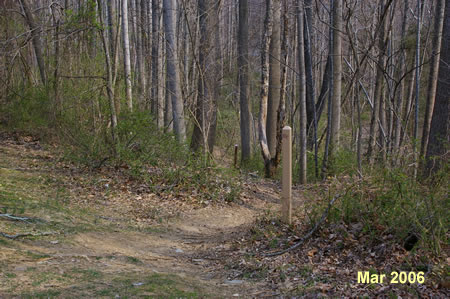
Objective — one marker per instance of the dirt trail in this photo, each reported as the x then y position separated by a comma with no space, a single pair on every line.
100,252
103,239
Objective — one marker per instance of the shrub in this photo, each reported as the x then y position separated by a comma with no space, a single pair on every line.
391,202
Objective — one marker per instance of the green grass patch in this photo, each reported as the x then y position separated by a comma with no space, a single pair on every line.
93,284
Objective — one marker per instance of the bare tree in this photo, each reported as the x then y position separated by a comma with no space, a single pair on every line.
36,40
437,152
265,89
140,61
274,78
310,88
375,123
126,55
157,101
302,93
245,116
173,78
418,67
209,72
337,80
398,107
109,79
434,70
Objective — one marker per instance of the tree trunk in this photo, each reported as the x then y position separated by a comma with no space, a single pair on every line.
126,55
398,110
140,61
36,40
209,72
157,107
325,163
274,78
416,106
310,90
113,46
325,88
337,78
433,75
378,93
56,83
109,81
265,90
302,93
437,152
245,119
173,78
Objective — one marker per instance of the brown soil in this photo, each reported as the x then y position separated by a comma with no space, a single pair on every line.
186,244
110,237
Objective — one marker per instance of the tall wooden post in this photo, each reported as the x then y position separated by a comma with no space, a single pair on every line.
286,179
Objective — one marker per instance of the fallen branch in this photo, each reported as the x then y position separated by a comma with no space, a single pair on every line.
309,234
26,235
9,216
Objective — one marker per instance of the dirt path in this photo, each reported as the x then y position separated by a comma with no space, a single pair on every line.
96,249
96,235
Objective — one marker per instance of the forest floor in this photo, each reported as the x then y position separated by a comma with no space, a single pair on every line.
96,234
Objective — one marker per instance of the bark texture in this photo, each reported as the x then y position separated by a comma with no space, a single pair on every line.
173,76
245,116
274,78
437,151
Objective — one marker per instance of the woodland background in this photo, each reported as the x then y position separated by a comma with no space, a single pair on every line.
163,90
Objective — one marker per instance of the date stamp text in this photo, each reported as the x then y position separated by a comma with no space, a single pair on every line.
394,278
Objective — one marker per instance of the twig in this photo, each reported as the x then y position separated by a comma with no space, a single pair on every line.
26,234
309,234
9,216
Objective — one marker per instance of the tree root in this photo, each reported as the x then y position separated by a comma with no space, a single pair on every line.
9,216
13,237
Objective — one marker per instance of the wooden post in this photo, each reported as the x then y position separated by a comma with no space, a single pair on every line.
286,179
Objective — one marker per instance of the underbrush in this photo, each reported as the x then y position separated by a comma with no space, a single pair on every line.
386,206
389,201
143,152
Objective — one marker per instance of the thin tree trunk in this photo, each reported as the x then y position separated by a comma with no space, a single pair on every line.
206,108
36,39
337,80
109,81
302,93
310,90
173,78
378,93
325,88
245,119
325,164
437,153
274,78
433,75
265,88
140,63
126,55
399,102
56,83
416,106
408,106
157,109
113,44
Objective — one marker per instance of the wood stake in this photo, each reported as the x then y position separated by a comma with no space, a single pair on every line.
286,179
